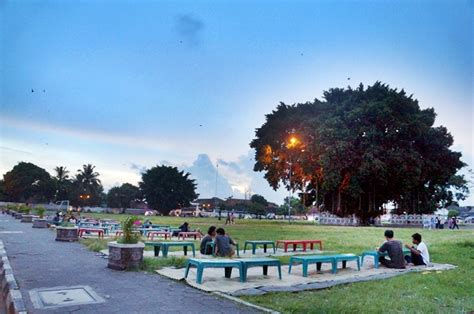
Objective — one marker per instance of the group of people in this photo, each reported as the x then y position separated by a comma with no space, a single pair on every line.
438,223
419,254
223,243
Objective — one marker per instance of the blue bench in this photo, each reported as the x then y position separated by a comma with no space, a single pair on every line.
201,264
257,262
166,245
313,259
260,242
376,254
344,258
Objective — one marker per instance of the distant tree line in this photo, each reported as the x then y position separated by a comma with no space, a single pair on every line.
163,188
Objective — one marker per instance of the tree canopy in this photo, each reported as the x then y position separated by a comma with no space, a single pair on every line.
166,188
27,182
359,149
123,196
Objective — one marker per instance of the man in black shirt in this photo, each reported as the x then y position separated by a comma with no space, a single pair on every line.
394,250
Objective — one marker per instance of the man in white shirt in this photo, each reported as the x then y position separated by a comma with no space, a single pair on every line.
420,254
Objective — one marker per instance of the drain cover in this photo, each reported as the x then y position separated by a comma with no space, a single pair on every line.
46,298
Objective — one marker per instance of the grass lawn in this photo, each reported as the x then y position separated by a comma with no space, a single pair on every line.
446,292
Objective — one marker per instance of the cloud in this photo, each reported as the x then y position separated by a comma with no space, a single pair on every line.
138,168
189,28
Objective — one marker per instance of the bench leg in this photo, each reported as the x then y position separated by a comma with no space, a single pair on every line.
165,251
265,270
286,247
311,246
320,246
334,267
227,272
279,271
305,269
376,262
304,247
200,270
358,264
185,250
188,265
274,248
362,260
344,264
254,248
243,274
264,248
318,266
194,251
289,267
294,247
157,250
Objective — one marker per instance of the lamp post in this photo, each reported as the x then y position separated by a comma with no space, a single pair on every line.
290,196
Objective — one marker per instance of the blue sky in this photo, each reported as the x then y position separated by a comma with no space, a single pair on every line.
126,85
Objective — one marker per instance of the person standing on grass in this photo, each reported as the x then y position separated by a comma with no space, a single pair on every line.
228,221
419,254
394,250
455,223
223,244
211,234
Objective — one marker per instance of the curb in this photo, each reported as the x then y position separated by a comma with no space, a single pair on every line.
248,304
10,292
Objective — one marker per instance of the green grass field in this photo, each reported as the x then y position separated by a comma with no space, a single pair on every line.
446,292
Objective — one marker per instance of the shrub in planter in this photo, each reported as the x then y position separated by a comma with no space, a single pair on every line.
26,217
67,232
127,252
40,222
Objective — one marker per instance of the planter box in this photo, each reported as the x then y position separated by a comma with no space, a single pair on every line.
67,234
27,218
40,223
18,215
125,256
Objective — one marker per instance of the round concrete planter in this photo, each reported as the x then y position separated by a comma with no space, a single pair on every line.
125,256
40,223
27,218
67,234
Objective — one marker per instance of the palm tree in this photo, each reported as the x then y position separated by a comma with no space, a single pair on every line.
62,174
88,177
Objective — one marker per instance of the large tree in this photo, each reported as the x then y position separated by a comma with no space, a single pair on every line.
359,149
27,182
166,188
123,196
63,183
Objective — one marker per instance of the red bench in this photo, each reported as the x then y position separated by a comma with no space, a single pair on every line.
100,232
194,234
303,243
152,234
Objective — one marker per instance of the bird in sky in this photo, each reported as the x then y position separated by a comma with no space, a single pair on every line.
32,90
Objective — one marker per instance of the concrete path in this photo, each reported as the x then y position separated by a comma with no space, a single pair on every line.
38,261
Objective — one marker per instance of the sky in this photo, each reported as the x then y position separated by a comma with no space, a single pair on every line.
127,85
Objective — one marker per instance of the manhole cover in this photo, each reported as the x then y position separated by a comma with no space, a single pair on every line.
44,298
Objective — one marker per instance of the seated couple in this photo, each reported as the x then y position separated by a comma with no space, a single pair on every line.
223,244
419,253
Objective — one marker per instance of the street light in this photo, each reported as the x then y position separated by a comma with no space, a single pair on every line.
292,143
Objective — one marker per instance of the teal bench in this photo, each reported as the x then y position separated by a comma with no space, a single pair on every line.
212,245
166,245
257,262
201,264
344,258
313,259
260,242
376,254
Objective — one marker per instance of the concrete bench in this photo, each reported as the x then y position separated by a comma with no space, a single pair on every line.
260,242
166,245
344,258
257,262
313,259
164,234
303,243
99,231
376,254
201,264
190,234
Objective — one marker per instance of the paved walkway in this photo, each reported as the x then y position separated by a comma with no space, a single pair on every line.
38,261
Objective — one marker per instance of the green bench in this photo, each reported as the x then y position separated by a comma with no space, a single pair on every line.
313,259
201,264
260,242
257,262
344,258
212,246
166,245
376,254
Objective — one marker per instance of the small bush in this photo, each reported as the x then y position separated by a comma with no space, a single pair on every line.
151,264
129,236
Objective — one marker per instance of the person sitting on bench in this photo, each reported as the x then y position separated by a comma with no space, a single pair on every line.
223,244
211,234
420,254
394,250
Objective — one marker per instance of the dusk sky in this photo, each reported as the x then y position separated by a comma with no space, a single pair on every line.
127,85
